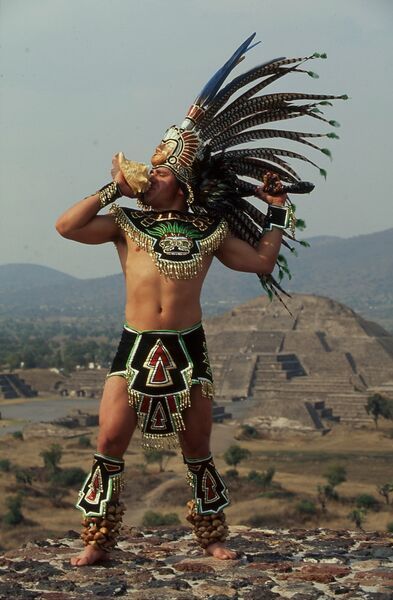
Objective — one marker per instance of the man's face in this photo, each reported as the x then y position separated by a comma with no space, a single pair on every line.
163,190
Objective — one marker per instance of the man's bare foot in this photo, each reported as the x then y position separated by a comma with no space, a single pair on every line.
89,556
218,550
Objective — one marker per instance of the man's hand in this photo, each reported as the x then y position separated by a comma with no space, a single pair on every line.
271,183
118,176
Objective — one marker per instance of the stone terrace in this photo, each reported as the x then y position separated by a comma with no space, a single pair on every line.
294,564
316,368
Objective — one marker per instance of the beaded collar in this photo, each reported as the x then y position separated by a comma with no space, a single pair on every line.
175,240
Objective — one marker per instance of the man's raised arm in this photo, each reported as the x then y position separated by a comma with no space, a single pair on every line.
240,256
82,223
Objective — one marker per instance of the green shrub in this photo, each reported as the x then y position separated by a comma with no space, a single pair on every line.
235,454
18,435
232,473
84,441
249,432
155,519
23,476
14,515
389,527
367,501
69,477
306,507
264,479
5,465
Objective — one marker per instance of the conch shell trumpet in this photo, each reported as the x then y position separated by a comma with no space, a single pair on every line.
136,174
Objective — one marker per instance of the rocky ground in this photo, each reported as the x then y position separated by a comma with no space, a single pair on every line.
164,563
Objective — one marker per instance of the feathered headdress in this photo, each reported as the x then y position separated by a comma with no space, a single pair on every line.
202,152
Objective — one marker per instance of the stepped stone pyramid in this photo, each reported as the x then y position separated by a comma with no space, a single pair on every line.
313,368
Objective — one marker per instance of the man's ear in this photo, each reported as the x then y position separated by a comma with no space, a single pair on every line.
180,193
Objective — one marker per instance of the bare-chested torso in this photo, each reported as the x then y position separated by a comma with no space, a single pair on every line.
154,301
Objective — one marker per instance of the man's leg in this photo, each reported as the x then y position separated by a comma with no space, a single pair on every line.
195,443
117,423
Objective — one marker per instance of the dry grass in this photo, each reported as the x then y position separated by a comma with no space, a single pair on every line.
299,461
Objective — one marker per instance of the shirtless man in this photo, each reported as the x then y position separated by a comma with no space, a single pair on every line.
158,302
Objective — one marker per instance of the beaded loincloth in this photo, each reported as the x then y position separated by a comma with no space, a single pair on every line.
160,368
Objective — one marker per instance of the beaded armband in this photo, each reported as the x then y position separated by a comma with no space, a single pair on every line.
277,216
109,193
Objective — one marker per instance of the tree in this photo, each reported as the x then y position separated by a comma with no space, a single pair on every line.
335,474
379,406
325,494
161,457
357,516
384,490
52,457
235,454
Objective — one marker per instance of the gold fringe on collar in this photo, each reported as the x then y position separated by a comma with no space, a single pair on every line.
173,269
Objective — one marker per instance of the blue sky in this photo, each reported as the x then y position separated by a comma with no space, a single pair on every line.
81,80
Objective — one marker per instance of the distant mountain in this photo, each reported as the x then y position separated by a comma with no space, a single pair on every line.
20,277
28,290
357,271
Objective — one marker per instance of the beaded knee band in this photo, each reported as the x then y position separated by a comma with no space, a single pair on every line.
99,501
104,483
210,491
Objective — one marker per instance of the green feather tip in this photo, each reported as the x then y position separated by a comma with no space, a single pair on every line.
333,135
323,173
344,97
334,123
313,74
325,103
304,243
316,110
327,152
300,224
323,55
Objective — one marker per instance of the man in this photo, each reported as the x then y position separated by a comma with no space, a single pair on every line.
160,378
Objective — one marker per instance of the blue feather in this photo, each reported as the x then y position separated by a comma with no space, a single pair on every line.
213,85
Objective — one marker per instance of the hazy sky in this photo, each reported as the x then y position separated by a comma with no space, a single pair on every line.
83,79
